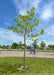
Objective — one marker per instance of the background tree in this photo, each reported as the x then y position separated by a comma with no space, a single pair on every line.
7,46
42,44
28,47
51,46
25,26
20,44
4,47
0,46
14,46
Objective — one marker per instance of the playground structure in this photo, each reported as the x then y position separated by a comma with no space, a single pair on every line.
32,48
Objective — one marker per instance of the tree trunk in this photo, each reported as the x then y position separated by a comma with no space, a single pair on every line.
24,49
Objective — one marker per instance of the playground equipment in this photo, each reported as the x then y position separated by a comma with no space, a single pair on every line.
32,48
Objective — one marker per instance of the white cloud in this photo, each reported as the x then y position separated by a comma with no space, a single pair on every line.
50,33
47,12
48,36
9,35
50,30
24,5
23,12
49,42
7,23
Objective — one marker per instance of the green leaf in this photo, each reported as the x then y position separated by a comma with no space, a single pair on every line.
28,35
36,35
32,13
16,18
19,24
9,27
31,18
37,24
20,21
31,35
16,24
32,39
34,28
38,20
32,25
24,17
37,39
27,11
33,7
27,16
21,17
30,29
12,26
14,29
42,31
17,30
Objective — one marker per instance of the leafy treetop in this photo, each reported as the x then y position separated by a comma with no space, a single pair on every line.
26,24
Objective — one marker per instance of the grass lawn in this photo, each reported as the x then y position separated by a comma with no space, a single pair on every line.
45,50
29,50
9,65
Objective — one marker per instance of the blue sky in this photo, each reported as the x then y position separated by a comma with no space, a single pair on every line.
9,9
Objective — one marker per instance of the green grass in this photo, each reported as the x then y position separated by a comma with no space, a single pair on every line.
28,50
45,50
9,65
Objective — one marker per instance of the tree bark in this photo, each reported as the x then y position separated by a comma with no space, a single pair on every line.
24,49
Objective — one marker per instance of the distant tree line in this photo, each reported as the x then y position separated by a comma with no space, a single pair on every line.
51,46
43,46
20,45
14,46
4,46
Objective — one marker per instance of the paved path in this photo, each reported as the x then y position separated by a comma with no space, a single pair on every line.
21,54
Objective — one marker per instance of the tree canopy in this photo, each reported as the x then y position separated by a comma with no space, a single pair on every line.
26,24
42,44
14,46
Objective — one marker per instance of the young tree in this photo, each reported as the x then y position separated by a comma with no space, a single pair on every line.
43,44
25,26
